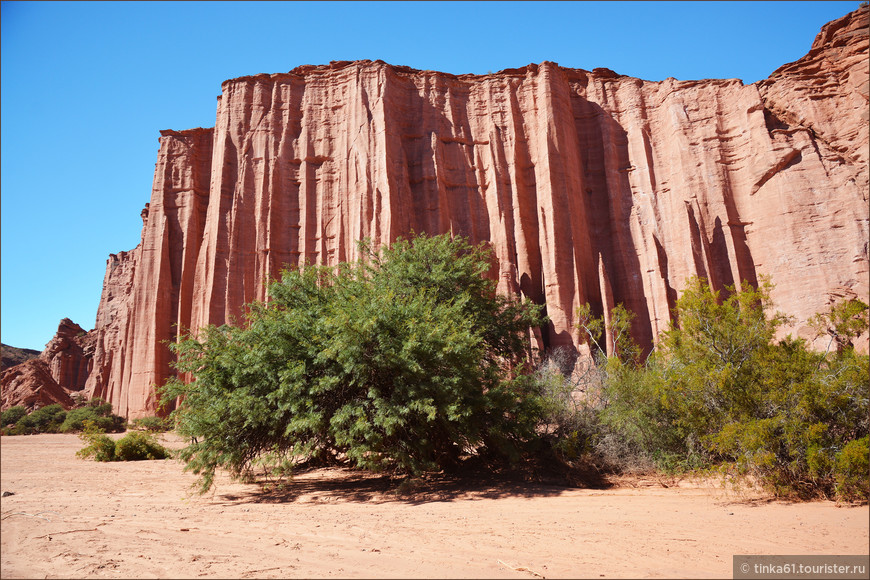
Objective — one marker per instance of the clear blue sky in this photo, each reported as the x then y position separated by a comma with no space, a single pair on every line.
86,88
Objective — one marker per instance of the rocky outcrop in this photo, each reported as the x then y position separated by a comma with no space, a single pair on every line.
68,355
15,356
31,385
59,372
826,92
590,187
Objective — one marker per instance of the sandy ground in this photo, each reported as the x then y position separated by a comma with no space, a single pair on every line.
70,518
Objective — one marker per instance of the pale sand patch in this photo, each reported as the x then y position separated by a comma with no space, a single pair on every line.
140,520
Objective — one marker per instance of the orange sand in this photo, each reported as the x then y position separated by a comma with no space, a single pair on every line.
70,518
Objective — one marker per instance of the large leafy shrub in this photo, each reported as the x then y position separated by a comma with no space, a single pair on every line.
139,446
46,419
406,359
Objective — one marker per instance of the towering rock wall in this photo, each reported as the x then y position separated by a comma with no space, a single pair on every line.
581,181
590,186
817,112
148,292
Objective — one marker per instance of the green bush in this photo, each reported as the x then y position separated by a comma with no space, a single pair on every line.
405,360
153,424
803,418
47,419
134,446
139,446
12,415
54,419
100,414
719,390
98,445
851,469
24,426
79,400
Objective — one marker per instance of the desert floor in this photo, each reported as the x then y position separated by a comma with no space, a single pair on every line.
70,518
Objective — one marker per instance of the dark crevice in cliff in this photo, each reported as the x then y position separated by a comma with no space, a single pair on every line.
773,122
662,256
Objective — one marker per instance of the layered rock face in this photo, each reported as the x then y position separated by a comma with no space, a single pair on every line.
59,372
817,112
15,356
589,186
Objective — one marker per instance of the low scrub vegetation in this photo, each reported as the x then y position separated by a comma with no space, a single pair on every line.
134,446
719,392
54,419
152,424
409,361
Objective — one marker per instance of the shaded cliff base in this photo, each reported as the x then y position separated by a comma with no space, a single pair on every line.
59,373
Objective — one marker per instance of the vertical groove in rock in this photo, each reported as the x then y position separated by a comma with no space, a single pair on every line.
147,293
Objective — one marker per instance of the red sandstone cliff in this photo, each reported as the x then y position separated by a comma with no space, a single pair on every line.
147,292
590,186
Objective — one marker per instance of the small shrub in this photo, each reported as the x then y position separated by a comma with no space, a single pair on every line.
12,415
101,415
134,446
99,445
569,417
139,446
851,470
153,424
100,406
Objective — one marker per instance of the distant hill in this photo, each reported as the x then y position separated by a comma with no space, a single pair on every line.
13,356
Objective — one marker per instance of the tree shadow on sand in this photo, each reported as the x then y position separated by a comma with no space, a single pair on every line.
475,480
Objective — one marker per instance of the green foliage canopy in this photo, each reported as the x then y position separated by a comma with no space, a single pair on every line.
96,411
12,415
46,419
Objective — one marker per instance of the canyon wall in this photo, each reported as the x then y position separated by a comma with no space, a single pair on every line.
590,187
148,292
